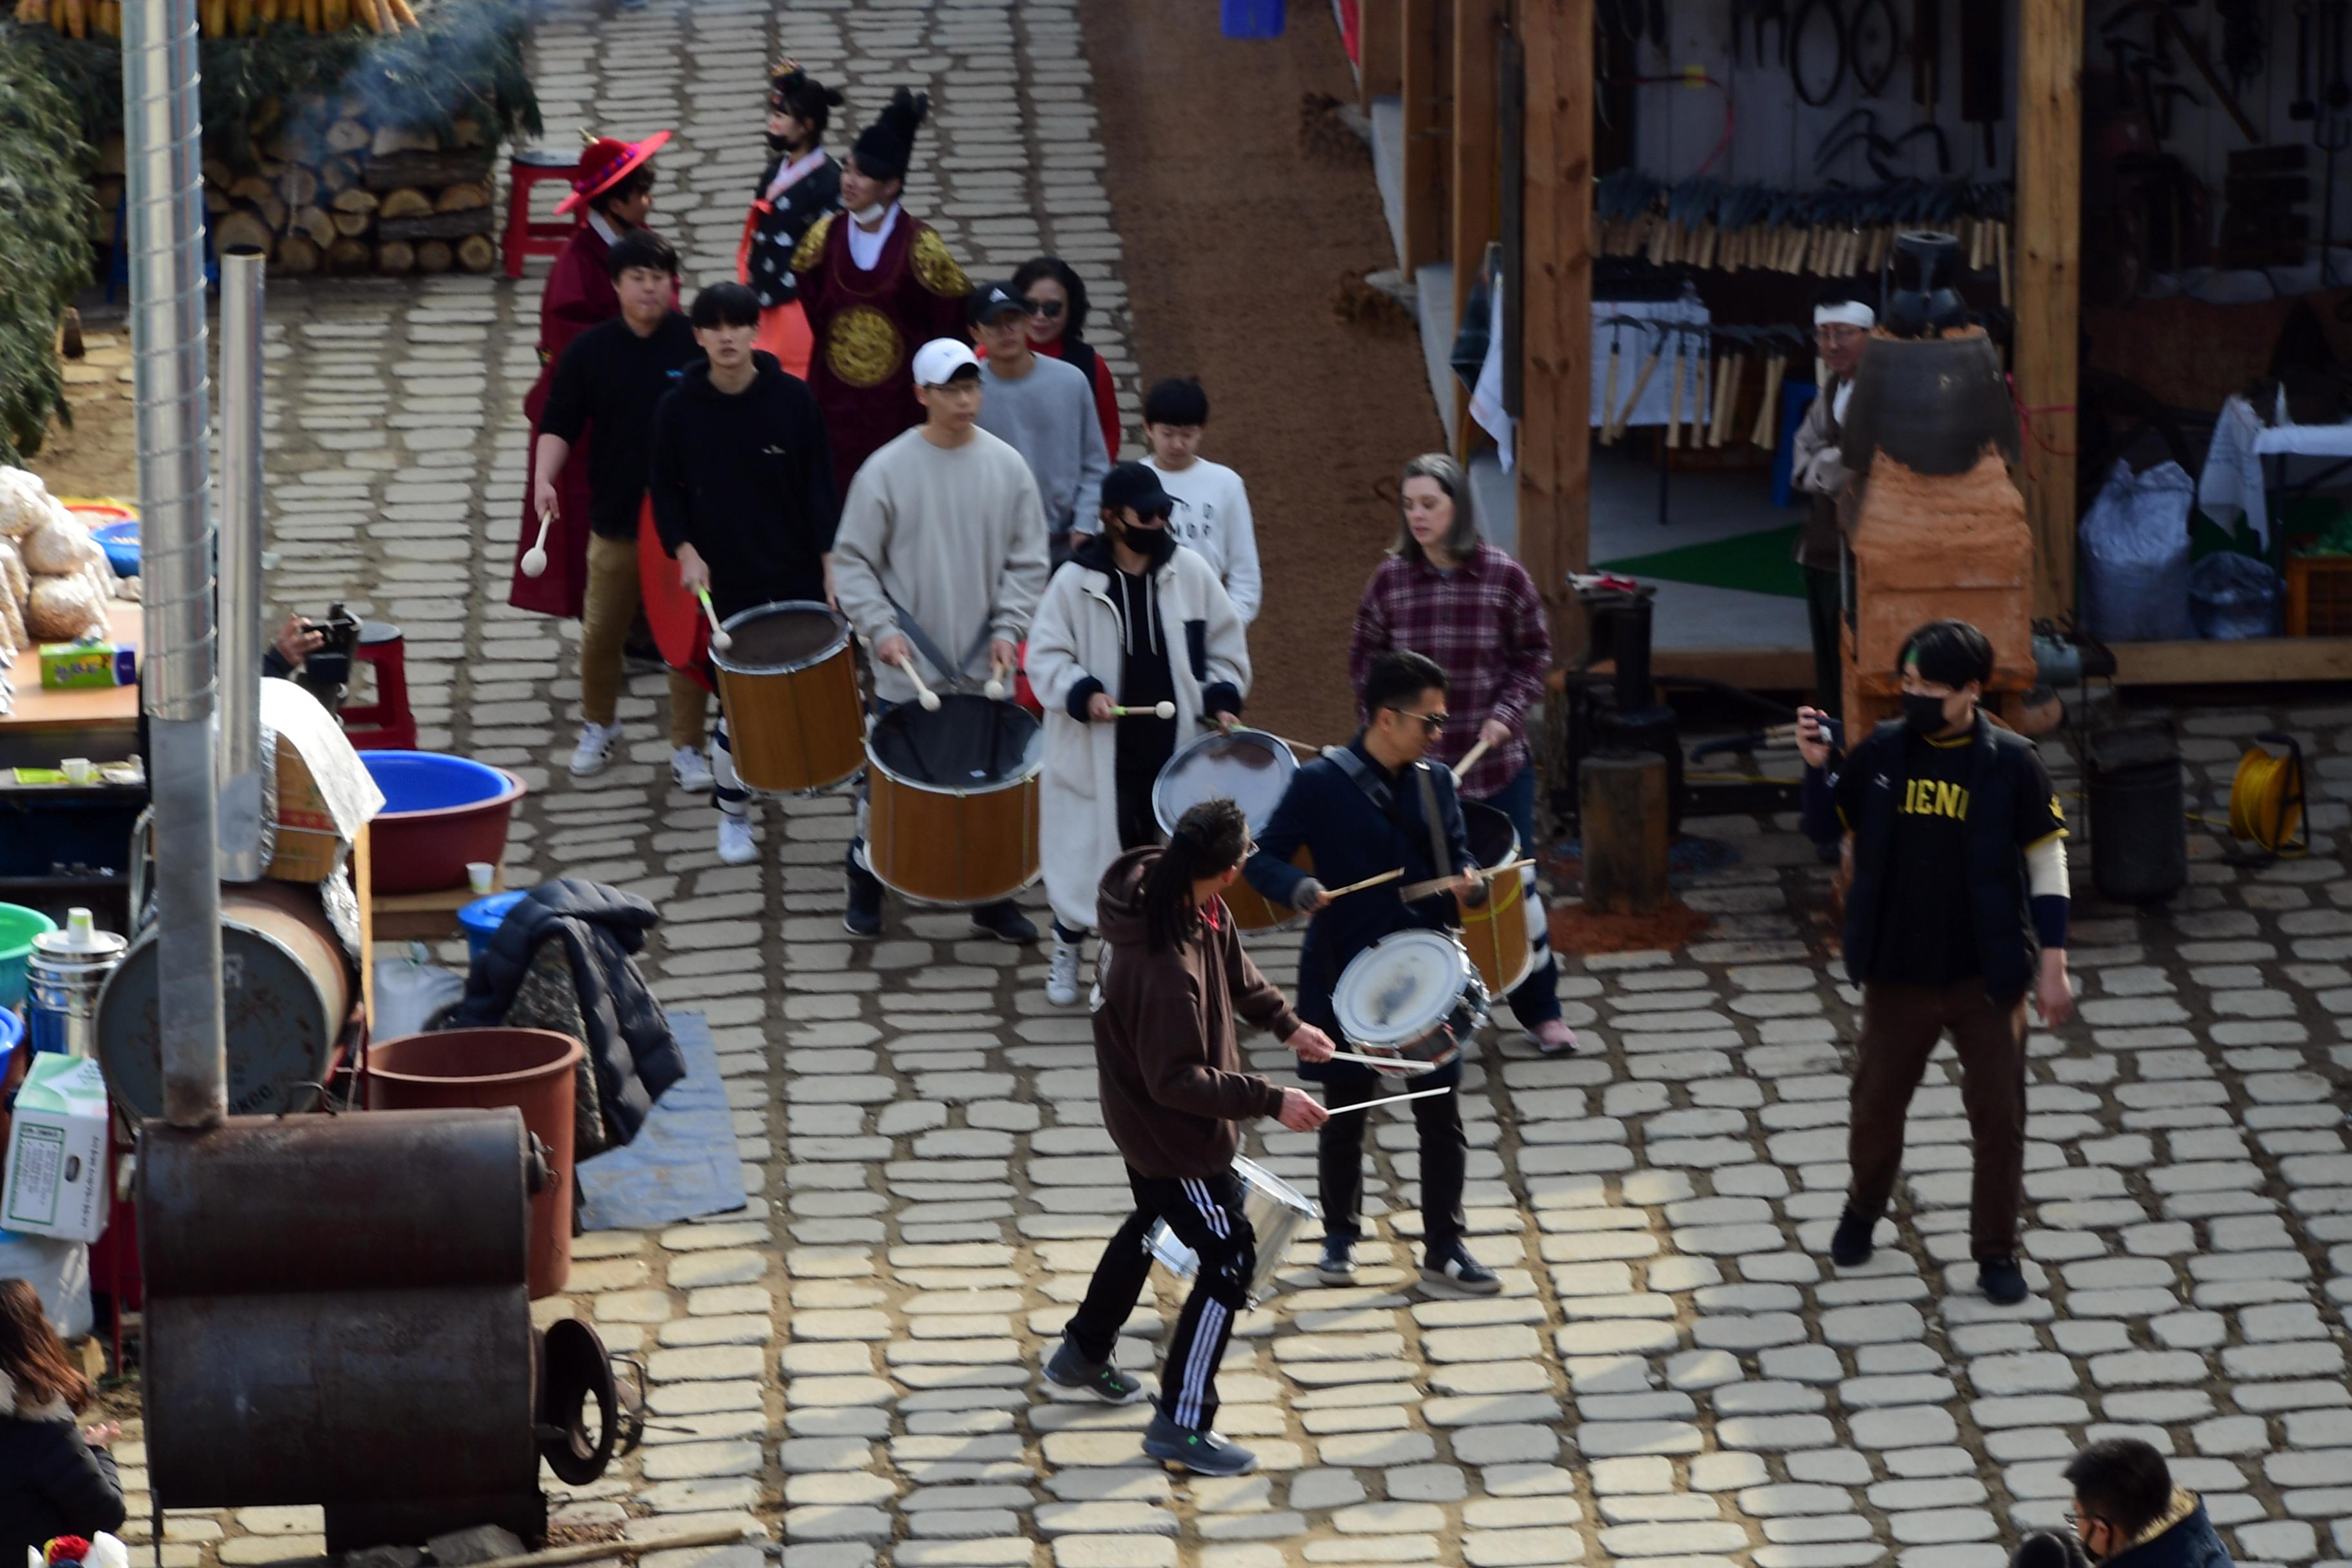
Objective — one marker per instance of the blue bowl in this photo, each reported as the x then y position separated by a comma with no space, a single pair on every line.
482,918
120,543
440,814
434,781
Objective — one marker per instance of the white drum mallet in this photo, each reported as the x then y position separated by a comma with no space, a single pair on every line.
1157,711
534,560
929,698
995,687
719,638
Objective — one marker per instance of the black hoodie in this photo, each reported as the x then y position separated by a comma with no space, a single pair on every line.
1145,678
747,479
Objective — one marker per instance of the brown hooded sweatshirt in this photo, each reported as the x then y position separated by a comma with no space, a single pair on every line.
1172,1086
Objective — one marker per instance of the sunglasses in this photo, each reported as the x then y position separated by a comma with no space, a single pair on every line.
1432,722
1049,308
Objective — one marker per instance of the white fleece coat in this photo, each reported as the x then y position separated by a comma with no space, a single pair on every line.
1079,634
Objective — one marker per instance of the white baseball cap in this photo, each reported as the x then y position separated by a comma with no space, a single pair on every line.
941,360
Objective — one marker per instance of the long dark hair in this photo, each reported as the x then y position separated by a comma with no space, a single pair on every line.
32,1355
1210,839
1061,272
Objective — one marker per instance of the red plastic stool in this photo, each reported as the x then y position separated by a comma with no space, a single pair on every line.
526,235
384,724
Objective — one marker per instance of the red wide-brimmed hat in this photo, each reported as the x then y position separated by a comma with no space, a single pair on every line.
604,164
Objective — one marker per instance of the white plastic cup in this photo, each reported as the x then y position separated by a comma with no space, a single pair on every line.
481,875
78,770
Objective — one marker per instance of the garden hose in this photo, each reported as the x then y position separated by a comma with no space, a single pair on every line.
2266,797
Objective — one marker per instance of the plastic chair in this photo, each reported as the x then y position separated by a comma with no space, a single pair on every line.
384,724
527,237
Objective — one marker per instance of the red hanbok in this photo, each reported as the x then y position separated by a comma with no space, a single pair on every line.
867,326
579,295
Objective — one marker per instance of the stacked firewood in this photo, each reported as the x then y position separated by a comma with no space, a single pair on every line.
345,198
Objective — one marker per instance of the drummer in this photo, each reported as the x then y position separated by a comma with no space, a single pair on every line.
1108,633
1173,978
1362,810
743,496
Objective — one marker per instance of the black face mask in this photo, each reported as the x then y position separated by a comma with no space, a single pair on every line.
1924,714
1152,543
779,144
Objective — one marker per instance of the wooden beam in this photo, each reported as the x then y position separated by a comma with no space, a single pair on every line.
2258,661
1428,128
1477,173
2048,238
1379,51
1555,261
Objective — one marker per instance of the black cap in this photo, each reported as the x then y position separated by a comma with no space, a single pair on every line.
990,300
1136,486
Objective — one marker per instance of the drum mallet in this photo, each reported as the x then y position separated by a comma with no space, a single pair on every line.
929,698
719,638
1385,1099
1387,1064
1367,882
1470,759
534,560
1415,891
1157,711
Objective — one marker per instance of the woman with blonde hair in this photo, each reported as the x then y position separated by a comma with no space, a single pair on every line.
1445,593
56,1476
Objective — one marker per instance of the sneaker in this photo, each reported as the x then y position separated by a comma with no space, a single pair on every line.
2001,1280
1004,922
1456,1268
594,750
691,769
1195,1448
863,915
1851,1247
1553,1038
1068,1368
1338,1264
1062,982
735,846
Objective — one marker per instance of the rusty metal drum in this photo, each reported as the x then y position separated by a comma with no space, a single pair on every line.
1253,770
952,811
1497,931
788,682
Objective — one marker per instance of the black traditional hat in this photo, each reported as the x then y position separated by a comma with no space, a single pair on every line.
885,148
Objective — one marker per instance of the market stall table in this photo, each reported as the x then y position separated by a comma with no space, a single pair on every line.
62,844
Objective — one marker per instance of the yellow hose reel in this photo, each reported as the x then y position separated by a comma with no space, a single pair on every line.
2266,797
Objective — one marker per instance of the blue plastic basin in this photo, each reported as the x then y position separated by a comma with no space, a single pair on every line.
440,814
482,918
120,543
432,780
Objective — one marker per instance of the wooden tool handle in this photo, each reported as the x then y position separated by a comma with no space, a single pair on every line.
922,688
1470,759
1367,882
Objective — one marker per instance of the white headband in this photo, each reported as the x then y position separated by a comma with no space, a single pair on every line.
1845,314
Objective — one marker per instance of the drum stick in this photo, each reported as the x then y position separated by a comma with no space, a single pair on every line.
1470,759
1418,890
1157,711
1385,1099
995,687
719,638
929,698
1367,882
534,560
1391,1064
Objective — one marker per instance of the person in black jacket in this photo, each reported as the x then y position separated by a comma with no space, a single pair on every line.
743,496
1957,911
2128,1514
56,1476
1359,811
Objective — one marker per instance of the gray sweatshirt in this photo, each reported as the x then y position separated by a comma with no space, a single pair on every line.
955,538
1048,416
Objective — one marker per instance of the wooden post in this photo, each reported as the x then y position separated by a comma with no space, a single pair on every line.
1428,127
1379,51
1477,164
1621,807
2048,238
1555,262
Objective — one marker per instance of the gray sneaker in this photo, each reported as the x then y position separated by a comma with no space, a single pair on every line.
1070,1368
1197,1449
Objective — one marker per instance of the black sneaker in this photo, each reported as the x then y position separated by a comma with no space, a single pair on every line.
2001,1280
1070,1368
1851,1247
1338,1264
1201,1451
863,915
1455,1266
1004,922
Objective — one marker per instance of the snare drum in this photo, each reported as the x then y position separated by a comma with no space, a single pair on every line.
1497,932
951,810
1253,770
1276,1211
789,684
1413,996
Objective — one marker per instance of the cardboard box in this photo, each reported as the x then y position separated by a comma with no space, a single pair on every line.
72,666
57,1182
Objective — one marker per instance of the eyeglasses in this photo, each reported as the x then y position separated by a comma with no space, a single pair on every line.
2079,1520
1432,722
1049,308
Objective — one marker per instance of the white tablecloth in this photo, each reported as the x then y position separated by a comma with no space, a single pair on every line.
2233,483
1627,323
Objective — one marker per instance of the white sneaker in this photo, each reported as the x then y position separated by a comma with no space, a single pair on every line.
594,750
735,846
1062,980
690,769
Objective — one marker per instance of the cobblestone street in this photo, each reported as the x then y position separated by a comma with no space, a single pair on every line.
1673,1378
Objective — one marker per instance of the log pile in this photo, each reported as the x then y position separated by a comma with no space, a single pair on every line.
334,195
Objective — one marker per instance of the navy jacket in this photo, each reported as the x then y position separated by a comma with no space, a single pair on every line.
2183,1538
1350,838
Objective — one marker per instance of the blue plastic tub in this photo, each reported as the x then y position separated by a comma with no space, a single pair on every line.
481,918
440,812
120,543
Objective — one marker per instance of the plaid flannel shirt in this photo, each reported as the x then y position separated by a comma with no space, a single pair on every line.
1483,625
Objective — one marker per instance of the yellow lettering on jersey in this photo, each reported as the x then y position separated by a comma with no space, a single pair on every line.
1935,797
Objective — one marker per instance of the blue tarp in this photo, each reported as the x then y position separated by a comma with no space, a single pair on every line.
683,1163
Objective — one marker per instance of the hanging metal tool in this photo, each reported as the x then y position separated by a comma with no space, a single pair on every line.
1776,13
2339,91
2331,136
1812,15
1873,62
1927,53
1984,64
2303,108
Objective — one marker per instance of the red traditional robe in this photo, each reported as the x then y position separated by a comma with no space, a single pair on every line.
579,295
867,326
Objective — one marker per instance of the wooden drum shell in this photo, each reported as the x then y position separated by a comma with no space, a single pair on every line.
1497,934
798,729
953,845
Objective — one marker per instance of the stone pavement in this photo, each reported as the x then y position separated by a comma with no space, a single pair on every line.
1671,1379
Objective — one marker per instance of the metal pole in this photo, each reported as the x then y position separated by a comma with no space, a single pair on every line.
167,334
240,774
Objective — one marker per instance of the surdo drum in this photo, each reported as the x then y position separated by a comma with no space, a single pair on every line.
1413,996
1497,931
1248,767
952,809
1276,1211
789,684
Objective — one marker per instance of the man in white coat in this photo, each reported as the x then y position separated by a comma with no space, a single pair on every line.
1134,644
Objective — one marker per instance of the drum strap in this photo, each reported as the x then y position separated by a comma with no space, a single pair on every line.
950,674
1378,793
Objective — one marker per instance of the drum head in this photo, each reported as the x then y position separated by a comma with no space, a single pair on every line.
971,742
1493,839
776,639
1248,767
1401,987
